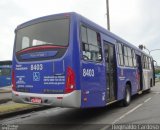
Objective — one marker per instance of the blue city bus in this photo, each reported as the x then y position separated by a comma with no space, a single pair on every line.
5,73
66,60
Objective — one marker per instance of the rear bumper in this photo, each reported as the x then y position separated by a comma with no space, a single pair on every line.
72,99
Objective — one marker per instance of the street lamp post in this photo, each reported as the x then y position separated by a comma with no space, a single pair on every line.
149,51
146,49
108,18
154,50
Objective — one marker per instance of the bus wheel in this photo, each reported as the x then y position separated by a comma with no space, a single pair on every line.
127,99
148,90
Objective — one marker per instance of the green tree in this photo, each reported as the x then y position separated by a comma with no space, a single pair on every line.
157,71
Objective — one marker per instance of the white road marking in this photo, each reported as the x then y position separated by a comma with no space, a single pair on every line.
147,100
127,113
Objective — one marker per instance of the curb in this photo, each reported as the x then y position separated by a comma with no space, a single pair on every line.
5,91
22,111
5,100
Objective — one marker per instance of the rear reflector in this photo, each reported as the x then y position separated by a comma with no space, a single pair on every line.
13,81
70,80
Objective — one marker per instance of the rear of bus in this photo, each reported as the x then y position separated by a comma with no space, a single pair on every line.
46,62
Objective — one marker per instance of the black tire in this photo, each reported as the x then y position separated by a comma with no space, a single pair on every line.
127,97
148,90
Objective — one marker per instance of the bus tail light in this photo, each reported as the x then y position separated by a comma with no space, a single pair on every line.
13,81
70,82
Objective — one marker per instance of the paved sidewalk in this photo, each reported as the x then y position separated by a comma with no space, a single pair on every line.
156,89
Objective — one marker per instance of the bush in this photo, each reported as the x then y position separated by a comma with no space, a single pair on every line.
157,71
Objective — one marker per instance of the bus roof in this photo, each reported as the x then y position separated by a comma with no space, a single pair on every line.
82,18
110,34
44,18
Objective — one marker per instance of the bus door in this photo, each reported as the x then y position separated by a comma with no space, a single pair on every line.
140,71
153,72
110,65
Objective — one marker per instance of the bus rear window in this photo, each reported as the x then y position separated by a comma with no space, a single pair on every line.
55,32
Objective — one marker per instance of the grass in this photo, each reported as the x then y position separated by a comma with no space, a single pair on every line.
6,108
5,91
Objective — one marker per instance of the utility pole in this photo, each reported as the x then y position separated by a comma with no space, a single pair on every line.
108,19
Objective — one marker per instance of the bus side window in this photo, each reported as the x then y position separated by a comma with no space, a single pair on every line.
150,65
120,54
91,44
85,47
144,62
134,58
130,57
125,56
147,63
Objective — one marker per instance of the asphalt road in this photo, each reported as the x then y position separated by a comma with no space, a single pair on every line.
144,109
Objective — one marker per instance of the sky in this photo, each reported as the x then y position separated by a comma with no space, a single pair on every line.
136,21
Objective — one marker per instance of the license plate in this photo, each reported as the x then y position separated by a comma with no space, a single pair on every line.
36,100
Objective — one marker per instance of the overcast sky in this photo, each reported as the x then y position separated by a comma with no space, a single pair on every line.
137,21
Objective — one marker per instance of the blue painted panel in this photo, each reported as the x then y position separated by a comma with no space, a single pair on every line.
42,77
48,76
93,84
125,74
